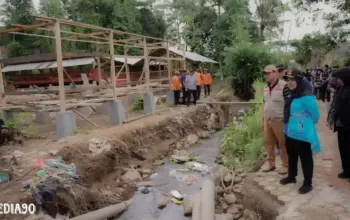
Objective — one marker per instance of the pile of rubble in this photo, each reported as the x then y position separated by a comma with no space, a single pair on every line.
229,194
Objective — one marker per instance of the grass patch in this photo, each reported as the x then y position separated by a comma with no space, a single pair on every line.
243,145
137,104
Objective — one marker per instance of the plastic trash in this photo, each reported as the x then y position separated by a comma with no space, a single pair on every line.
4,177
177,195
40,173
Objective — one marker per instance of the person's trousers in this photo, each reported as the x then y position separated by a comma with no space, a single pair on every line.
198,92
184,95
344,148
207,90
273,137
176,96
192,93
302,149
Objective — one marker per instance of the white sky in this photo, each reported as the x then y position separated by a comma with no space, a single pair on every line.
307,26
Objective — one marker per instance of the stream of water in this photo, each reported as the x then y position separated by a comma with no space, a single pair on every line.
145,206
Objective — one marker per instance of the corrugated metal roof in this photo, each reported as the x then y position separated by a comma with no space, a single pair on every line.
192,56
47,65
130,60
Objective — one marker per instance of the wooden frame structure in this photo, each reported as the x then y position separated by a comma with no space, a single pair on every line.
99,36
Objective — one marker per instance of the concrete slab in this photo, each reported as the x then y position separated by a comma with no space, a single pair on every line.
149,105
117,112
65,124
42,117
103,109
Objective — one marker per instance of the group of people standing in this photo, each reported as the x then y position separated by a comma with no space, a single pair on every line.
290,114
190,84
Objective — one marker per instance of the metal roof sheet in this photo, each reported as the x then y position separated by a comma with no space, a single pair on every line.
47,65
192,56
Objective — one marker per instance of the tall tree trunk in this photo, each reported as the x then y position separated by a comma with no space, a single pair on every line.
262,30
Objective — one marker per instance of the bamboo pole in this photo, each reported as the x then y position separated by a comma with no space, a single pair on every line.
99,72
184,58
146,61
127,72
60,66
111,52
2,86
120,71
169,64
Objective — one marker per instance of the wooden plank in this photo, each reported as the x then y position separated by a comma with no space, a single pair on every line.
112,70
2,88
146,61
85,79
98,58
127,72
69,91
83,116
229,103
60,66
120,71
169,64
26,27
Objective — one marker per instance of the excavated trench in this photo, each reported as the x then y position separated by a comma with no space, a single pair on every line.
146,148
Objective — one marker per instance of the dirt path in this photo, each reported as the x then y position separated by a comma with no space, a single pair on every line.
330,198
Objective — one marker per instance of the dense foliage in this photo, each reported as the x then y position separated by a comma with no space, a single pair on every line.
242,144
130,16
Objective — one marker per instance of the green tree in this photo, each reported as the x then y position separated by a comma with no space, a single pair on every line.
18,12
152,23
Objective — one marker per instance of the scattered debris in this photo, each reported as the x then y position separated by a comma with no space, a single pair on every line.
192,139
97,146
154,175
188,205
182,157
230,199
177,195
17,154
163,203
145,184
131,176
158,162
4,177
195,166
145,191
204,134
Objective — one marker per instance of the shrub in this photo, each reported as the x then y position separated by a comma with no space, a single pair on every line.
137,104
245,63
242,145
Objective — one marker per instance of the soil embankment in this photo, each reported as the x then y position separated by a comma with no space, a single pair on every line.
101,170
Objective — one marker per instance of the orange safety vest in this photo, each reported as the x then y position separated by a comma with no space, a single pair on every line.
199,78
176,83
207,80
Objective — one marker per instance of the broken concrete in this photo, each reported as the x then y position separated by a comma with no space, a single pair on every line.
65,124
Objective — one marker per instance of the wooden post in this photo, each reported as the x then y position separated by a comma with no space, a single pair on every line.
146,66
60,66
111,52
99,72
169,63
127,72
184,57
2,85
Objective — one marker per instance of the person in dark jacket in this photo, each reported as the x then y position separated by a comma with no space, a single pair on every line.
339,118
183,87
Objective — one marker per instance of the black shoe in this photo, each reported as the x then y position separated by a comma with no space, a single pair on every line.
287,180
343,175
305,189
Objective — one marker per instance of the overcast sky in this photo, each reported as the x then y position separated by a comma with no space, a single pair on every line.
297,31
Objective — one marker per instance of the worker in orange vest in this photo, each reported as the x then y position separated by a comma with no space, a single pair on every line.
198,76
176,87
207,81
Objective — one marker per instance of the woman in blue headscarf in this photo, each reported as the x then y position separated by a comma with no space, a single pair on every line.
301,113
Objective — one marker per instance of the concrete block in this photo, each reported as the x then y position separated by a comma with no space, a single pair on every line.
149,105
65,124
103,109
117,112
85,110
170,100
42,117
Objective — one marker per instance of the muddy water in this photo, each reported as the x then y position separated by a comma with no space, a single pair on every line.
145,206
